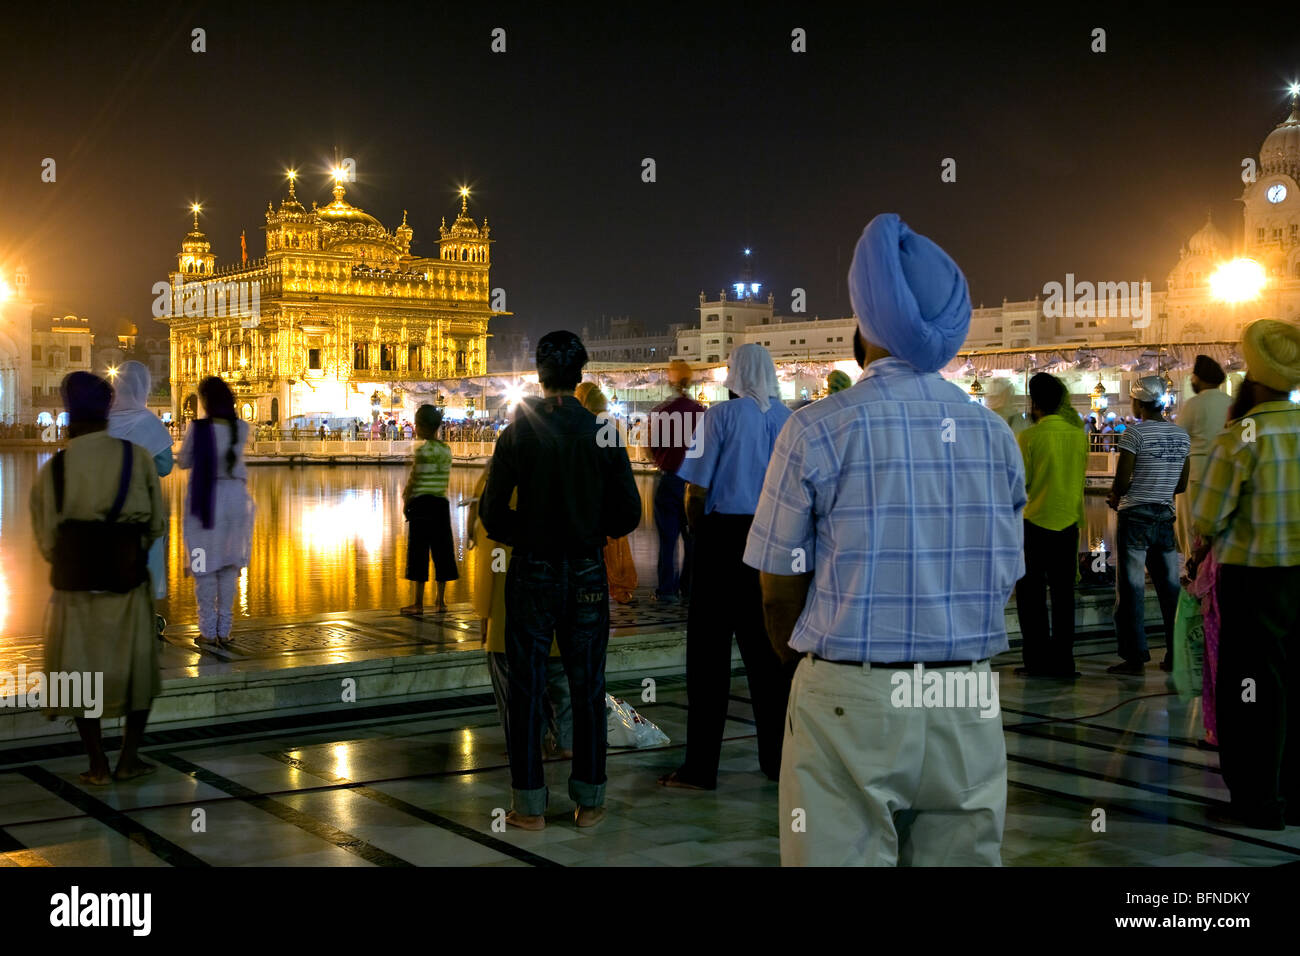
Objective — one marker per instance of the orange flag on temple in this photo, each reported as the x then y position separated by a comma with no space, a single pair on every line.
243,247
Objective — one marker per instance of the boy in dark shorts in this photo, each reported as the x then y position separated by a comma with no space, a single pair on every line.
428,513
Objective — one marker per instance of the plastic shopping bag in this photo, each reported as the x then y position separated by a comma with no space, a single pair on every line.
1189,646
626,728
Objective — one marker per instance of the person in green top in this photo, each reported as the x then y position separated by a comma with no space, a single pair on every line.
1055,449
428,513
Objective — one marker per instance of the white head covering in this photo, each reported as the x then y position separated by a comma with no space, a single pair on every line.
750,373
129,418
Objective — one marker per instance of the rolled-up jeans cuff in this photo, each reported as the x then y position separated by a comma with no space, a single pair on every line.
529,803
587,794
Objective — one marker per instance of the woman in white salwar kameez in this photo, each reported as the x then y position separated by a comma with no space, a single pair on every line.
93,631
218,510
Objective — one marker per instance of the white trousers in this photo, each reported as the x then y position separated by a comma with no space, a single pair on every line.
215,593
866,783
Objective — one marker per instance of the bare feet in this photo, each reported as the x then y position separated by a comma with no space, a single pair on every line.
440,608
526,822
137,768
588,816
674,781
96,777
413,610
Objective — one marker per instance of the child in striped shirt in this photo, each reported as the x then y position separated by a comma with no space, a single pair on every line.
428,513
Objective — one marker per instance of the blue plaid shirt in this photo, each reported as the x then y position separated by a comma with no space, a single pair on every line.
904,498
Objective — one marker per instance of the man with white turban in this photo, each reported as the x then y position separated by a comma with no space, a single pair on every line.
889,538
1249,505
724,471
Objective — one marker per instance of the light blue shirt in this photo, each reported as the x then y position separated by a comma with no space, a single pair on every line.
729,453
904,498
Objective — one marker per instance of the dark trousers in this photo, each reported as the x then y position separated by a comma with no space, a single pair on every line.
1051,562
1144,543
1259,642
670,522
567,598
726,601
429,534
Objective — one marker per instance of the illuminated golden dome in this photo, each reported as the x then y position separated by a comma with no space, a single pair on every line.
342,211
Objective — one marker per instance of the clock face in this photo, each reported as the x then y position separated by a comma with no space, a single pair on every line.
1276,193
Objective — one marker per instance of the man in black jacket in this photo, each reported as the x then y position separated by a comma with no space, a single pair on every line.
574,492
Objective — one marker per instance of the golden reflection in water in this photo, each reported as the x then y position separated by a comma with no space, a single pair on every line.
324,540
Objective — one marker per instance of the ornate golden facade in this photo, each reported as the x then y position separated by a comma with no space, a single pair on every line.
338,317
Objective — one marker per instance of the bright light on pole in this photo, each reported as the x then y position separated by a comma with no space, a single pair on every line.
1239,280
5,291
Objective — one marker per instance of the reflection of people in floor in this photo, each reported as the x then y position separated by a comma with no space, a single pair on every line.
1248,506
129,418
218,509
619,567
491,560
905,499
92,626
428,514
724,477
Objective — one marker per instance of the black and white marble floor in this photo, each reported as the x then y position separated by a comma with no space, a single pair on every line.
424,785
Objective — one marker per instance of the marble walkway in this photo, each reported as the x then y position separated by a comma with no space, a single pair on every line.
422,783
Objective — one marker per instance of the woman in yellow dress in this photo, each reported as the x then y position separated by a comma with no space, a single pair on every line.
488,595
619,567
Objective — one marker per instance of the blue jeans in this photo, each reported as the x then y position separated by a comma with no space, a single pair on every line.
670,522
568,599
558,712
1144,543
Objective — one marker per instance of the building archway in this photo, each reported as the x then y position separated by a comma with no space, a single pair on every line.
275,411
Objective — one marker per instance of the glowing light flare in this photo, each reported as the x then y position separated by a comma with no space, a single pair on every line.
514,395
1238,280
720,373
112,371
340,174
5,290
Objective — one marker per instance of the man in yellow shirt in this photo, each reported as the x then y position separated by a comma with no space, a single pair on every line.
1055,449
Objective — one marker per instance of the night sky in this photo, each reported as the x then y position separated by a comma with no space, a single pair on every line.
1067,161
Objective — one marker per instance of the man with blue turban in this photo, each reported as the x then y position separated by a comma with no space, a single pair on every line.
888,539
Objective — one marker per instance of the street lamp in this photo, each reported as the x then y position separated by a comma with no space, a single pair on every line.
1238,280
1099,401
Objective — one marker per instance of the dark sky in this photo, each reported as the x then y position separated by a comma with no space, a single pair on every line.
1067,161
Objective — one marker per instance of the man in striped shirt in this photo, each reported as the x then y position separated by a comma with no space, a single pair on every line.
1152,469
1249,504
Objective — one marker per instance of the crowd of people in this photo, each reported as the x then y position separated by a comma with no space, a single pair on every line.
379,429
878,531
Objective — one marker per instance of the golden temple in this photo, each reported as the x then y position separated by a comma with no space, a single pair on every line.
337,321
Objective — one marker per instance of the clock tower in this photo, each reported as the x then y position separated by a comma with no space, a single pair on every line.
1272,202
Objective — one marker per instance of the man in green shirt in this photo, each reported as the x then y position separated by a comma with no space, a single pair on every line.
1248,505
1055,450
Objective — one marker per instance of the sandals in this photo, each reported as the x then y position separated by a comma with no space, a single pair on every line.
674,781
